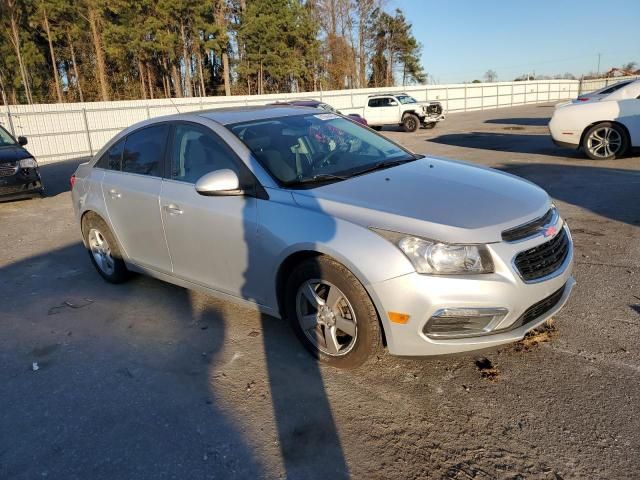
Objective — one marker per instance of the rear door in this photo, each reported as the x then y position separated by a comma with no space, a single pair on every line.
132,195
209,237
383,111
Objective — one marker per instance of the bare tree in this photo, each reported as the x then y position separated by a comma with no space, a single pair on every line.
490,76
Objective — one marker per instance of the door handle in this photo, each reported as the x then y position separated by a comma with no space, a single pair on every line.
114,193
172,209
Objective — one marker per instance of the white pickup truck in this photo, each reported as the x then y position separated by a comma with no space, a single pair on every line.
401,109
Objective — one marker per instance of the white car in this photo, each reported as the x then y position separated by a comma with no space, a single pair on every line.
605,127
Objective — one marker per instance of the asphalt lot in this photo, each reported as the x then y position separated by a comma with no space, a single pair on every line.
150,381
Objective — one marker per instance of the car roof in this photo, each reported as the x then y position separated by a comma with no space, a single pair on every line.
229,115
386,94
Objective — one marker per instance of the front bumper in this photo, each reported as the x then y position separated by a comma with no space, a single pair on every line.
26,182
421,296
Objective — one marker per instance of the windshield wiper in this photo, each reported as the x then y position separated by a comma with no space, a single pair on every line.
385,164
317,178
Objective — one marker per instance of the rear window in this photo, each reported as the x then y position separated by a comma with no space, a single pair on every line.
144,151
615,87
112,158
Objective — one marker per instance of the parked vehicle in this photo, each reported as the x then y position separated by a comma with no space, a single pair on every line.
19,173
312,217
401,109
605,128
322,106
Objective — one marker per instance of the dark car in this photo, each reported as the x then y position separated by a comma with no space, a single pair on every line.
323,106
19,174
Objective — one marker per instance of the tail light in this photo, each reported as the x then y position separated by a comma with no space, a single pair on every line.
72,181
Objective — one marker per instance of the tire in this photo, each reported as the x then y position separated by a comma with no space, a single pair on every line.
430,125
103,250
605,141
322,278
377,128
410,122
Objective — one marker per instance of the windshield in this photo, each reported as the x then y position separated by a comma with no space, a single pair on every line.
404,99
5,138
305,149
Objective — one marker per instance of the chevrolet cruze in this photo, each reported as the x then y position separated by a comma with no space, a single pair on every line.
310,216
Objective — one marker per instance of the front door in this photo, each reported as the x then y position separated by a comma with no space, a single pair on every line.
132,193
209,237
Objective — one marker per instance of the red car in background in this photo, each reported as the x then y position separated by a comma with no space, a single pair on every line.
323,106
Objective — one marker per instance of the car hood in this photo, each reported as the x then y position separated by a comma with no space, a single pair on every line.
13,153
439,199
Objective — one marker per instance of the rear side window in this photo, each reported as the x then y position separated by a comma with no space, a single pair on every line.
380,102
112,158
144,151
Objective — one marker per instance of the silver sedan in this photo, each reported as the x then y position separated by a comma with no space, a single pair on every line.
310,216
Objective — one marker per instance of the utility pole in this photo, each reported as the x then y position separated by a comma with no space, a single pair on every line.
599,63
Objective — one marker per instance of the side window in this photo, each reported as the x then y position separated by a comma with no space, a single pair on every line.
197,151
144,151
112,158
374,102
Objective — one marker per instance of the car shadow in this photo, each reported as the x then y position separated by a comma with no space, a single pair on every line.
308,439
506,142
56,175
524,121
608,192
113,389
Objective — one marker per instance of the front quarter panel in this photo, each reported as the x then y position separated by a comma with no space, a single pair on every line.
286,228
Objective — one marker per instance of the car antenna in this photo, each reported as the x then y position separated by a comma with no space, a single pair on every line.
174,105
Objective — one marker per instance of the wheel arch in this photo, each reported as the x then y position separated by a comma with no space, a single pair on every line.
294,259
613,122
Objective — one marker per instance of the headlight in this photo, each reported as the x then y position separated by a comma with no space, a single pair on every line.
429,256
28,163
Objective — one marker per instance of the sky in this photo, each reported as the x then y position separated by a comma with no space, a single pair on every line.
462,39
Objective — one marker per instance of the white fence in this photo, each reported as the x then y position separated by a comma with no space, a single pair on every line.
69,130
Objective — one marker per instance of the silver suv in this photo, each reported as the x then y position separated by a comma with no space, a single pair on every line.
313,217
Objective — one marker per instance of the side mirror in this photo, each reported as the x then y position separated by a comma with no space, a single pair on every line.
22,141
219,183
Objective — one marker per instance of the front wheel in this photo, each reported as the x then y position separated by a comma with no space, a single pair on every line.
410,122
332,313
605,141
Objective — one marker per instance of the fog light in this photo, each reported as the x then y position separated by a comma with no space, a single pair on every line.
463,322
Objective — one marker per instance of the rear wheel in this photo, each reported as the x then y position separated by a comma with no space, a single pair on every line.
332,313
605,141
103,250
410,122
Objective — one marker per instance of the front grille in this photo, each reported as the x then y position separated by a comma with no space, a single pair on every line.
544,259
8,169
538,309
12,189
530,228
434,109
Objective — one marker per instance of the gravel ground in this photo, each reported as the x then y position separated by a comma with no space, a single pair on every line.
150,381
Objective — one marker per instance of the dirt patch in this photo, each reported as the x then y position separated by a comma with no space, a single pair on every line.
487,369
544,333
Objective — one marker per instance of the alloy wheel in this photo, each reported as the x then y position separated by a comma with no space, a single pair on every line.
326,317
604,142
101,251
